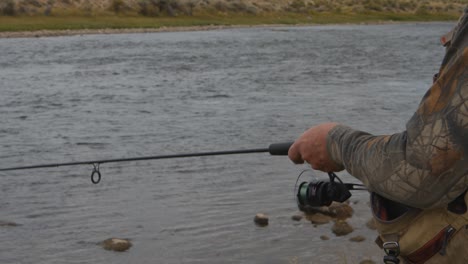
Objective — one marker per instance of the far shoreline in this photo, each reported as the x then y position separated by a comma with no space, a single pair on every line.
109,31
35,27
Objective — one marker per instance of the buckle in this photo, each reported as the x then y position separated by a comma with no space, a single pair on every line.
391,248
448,233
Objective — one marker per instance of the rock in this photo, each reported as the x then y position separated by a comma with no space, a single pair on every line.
296,217
318,218
342,228
7,223
367,261
340,210
323,237
371,224
335,210
261,219
357,239
116,244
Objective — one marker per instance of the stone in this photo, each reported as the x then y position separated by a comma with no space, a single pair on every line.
116,244
342,228
261,219
318,218
340,210
296,217
357,239
335,210
324,237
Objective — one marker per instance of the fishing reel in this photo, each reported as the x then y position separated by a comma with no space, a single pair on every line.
322,193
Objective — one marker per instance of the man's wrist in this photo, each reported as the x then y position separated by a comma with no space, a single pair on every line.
334,142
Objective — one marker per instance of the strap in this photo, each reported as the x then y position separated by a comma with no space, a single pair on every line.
436,244
391,248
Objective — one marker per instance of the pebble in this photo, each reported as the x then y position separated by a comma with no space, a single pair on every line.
296,217
323,237
357,239
342,228
116,244
261,219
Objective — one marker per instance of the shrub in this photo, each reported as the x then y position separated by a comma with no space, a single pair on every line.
8,8
34,3
221,6
147,8
297,5
190,6
87,8
117,6
48,8
170,7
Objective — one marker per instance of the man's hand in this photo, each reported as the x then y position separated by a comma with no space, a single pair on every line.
312,148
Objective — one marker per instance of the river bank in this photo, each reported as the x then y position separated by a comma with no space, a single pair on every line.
46,26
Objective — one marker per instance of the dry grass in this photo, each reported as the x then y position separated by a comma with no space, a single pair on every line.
24,15
190,7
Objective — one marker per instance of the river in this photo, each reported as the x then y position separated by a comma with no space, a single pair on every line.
88,97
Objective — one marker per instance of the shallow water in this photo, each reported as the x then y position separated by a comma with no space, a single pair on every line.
111,96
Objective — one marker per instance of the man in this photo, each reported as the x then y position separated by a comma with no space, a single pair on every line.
417,178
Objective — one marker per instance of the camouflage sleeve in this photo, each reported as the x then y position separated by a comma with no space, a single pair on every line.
426,165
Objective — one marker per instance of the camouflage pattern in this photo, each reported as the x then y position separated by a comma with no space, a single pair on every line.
425,166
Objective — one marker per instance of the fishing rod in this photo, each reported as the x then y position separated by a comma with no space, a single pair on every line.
277,149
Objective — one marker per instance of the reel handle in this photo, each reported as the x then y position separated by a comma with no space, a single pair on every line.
279,149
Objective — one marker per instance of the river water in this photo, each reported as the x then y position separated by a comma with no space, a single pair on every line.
111,96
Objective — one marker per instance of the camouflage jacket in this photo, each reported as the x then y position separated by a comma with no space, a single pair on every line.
427,165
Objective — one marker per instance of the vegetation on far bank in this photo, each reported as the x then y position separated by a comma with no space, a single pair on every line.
30,15
32,23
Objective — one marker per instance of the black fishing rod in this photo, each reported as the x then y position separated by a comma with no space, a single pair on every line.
277,149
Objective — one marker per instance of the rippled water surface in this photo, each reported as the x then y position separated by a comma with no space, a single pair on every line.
110,96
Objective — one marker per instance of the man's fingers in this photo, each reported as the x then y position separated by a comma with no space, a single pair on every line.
294,154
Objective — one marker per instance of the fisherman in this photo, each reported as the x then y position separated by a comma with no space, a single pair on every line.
418,178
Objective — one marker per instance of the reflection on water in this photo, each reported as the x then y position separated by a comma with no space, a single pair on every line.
97,97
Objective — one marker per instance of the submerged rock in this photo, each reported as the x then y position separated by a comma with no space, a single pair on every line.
8,223
116,244
335,210
261,219
318,218
342,228
340,210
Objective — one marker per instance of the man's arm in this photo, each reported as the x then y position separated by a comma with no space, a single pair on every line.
426,165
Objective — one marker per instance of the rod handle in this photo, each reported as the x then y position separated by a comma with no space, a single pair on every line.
280,149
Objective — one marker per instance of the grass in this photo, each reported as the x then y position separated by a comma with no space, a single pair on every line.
33,23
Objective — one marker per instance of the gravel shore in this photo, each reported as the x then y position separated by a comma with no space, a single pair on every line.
55,33
77,32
